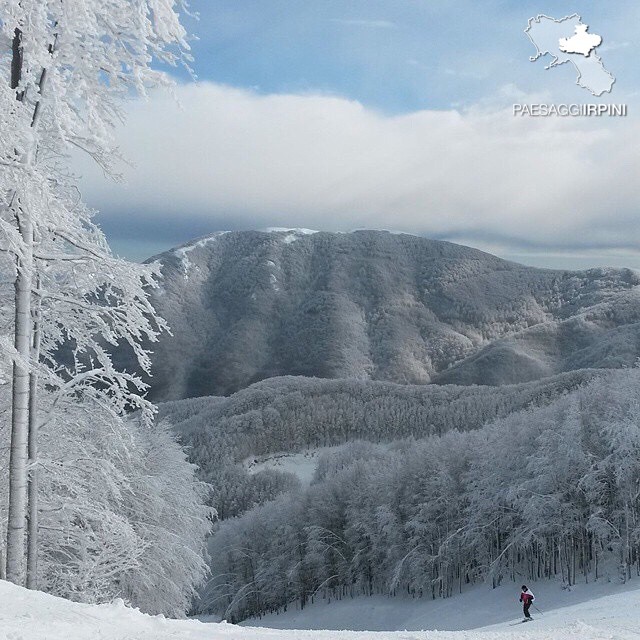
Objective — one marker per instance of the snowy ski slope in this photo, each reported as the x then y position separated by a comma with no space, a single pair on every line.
478,606
26,615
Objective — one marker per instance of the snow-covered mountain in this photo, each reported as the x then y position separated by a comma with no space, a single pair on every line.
244,306
323,346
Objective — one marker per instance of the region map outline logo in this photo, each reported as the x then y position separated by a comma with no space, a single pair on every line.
569,40
550,37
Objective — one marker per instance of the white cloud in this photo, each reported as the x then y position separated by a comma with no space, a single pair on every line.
329,163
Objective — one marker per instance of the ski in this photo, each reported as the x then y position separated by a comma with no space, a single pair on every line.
513,624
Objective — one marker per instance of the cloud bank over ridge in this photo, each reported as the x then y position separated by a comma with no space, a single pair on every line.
230,158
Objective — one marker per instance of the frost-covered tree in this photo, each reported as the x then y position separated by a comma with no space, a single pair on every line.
68,65
121,512
165,504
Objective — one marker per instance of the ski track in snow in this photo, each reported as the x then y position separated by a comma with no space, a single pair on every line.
29,615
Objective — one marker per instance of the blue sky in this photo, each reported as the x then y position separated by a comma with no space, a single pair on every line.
377,66
395,55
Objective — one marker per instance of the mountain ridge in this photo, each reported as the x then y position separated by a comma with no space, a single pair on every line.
250,305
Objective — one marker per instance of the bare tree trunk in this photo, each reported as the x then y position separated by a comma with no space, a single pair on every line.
24,431
32,534
18,470
16,526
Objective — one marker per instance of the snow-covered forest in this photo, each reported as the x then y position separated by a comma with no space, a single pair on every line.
293,414
546,492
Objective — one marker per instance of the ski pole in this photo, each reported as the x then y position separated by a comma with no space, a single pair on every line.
538,610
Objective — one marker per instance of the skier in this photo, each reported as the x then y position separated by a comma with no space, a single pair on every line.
526,597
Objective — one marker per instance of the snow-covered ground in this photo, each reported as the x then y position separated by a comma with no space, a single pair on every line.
27,615
302,465
480,606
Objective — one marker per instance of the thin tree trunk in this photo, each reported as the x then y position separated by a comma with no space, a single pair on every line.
16,526
24,397
32,534
18,470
